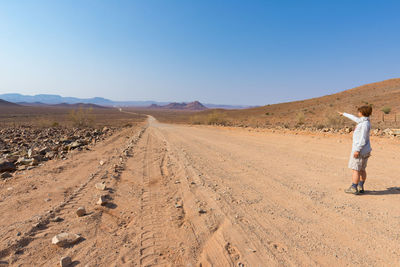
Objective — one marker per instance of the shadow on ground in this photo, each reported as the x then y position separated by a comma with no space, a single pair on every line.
388,191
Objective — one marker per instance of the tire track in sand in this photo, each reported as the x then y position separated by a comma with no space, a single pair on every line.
152,213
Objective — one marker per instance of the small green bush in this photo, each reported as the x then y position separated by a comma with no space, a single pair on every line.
386,110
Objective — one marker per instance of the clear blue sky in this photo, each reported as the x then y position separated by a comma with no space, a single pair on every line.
228,52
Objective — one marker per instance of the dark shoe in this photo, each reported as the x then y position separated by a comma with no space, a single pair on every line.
360,189
351,190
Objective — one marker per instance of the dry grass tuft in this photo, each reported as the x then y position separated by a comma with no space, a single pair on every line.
81,117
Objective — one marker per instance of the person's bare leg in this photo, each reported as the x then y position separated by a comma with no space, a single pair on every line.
353,188
356,176
363,175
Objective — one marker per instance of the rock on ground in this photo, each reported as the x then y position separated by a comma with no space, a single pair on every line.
81,212
65,261
102,200
57,219
65,239
24,161
100,186
6,165
5,175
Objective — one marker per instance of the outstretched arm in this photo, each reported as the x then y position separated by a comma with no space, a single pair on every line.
349,116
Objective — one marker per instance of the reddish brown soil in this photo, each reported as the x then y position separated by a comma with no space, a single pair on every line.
206,196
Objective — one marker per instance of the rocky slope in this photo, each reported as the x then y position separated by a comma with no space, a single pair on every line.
25,147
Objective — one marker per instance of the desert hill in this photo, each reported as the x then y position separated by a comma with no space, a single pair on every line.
196,105
379,95
4,103
317,112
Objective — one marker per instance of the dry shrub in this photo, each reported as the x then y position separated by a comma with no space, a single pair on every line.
45,122
300,118
42,122
256,122
81,117
197,119
217,118
335,121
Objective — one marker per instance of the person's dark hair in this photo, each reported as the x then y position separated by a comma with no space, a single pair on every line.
366,111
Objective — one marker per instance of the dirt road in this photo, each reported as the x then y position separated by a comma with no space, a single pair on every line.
206,196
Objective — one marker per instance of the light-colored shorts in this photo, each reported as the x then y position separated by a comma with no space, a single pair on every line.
360,163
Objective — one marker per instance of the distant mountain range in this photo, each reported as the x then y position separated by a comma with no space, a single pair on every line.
196,105
4,103
57,99
47,99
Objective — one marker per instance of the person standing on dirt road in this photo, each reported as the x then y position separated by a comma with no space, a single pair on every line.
361,149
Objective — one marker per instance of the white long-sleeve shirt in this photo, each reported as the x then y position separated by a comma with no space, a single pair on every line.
361,141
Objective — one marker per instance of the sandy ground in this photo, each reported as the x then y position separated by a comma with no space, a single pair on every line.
206,196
